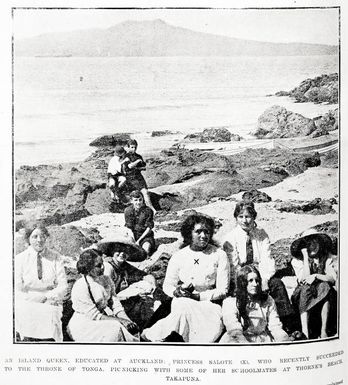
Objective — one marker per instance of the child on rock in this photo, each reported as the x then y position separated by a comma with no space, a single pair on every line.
133,168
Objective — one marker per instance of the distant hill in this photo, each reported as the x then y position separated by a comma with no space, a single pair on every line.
156,38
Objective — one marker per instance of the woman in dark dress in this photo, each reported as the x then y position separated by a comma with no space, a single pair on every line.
316,273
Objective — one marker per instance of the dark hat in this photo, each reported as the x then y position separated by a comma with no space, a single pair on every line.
302,242
119,150
109,246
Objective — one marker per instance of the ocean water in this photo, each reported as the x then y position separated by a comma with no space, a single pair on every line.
62,104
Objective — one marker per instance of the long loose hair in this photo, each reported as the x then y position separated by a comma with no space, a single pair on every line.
242,293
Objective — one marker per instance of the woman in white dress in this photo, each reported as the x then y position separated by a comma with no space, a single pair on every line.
40,287
252,315
247,244
197,278
98,314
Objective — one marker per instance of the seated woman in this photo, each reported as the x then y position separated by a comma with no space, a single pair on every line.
316,273
40,287
252,315
91,296
247,244
136,289
139,218
197,278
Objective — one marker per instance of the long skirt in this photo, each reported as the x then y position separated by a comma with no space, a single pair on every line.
195,321
305,296
38,320
83,329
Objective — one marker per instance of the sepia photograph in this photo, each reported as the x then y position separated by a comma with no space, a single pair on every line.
176,175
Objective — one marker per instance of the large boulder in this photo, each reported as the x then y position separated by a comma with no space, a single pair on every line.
278,122
213,134
111,140
70,240
178,165
326,123
320,89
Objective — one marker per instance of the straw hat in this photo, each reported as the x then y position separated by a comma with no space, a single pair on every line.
302,242
108,246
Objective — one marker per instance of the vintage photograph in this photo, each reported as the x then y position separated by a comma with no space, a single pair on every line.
176,175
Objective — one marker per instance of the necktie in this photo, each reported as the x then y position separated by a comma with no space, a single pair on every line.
249,251
39,266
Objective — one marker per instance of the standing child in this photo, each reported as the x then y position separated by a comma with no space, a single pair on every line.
116,172
139,218
133,170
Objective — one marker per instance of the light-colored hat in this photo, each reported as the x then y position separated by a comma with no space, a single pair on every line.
302,242
110,245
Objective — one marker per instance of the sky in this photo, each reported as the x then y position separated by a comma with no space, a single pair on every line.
272,25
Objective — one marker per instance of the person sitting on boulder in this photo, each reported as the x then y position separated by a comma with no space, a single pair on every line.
316,271
139,219
135,179
116,172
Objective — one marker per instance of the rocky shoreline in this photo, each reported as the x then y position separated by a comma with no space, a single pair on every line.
293,190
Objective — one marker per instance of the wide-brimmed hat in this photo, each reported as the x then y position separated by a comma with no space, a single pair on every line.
302,242
109,246
119,150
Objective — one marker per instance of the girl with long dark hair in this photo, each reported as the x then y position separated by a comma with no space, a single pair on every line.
252,315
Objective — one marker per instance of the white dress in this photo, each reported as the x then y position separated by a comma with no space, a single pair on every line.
264,324
33,318
235,246
196,321
86,324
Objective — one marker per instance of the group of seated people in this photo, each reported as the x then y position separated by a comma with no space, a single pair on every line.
229,294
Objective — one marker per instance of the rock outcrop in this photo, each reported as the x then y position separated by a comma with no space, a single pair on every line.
187,178
316,206
322,89
213,134
111,140
278,122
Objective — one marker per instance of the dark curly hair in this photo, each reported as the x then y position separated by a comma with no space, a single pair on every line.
189,224
241,206
86,261
29,230
242,294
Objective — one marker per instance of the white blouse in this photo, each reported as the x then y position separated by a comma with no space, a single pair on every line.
102,290
53,284
208,271
235,243
263,318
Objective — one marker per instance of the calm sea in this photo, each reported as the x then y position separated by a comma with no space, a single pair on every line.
62,104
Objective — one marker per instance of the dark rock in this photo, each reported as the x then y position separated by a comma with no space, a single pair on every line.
326,123
220,134
162,133
98,202
178,165
330,159
280,250
317,206
278,122
70,240
321,89
213,134
256,196
111,140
